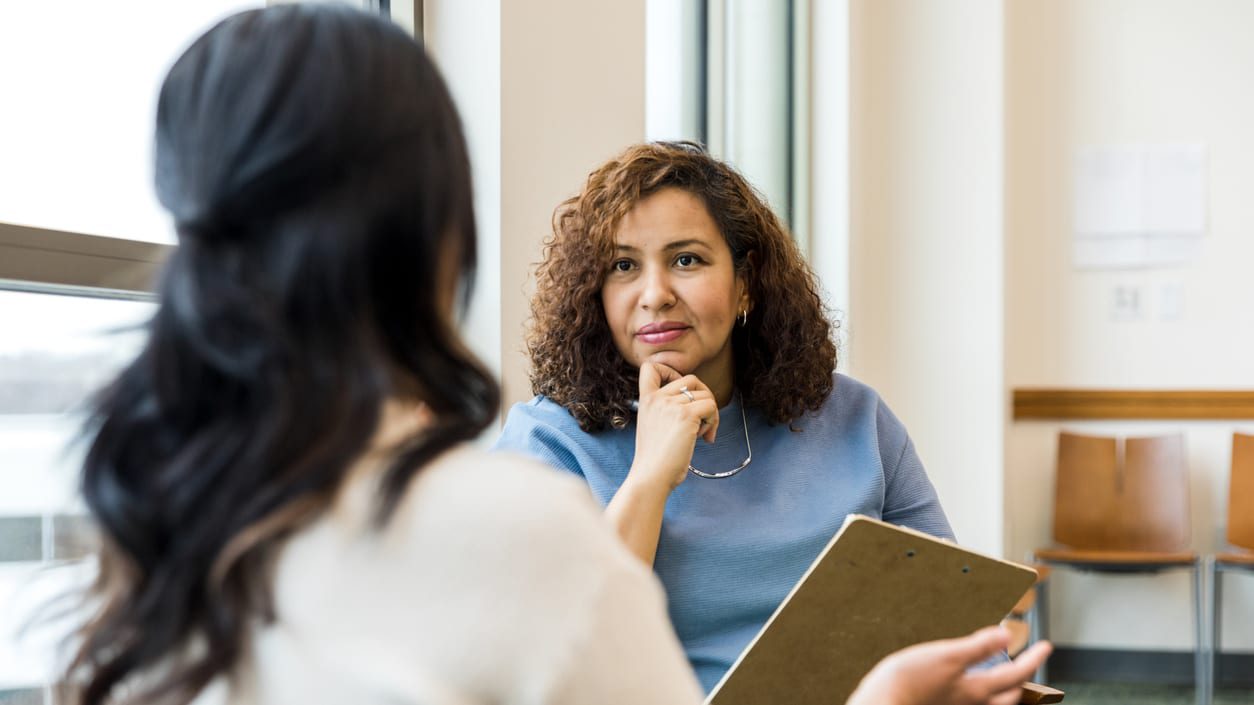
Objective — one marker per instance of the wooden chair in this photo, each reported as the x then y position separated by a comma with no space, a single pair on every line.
1023,624
1122,506
1240,535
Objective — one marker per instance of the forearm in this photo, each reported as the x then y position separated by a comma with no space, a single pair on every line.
636,512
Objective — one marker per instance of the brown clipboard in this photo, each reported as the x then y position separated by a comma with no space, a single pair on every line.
874,589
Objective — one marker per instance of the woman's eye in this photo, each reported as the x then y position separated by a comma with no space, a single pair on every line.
686,260
622,265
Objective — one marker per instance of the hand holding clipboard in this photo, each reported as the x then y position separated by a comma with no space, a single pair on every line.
937,673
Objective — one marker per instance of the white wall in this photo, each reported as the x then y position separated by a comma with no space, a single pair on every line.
1094,72
925,316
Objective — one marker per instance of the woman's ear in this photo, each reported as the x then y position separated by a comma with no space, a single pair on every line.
744,278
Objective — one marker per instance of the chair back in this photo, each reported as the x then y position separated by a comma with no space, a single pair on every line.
1241,492
1121,494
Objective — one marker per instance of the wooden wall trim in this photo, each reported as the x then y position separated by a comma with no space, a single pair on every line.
1132,404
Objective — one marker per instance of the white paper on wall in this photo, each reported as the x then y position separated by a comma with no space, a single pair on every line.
1139,206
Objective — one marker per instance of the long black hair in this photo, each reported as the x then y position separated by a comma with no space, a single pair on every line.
317,176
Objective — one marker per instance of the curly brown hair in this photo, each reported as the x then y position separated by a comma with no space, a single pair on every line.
784,356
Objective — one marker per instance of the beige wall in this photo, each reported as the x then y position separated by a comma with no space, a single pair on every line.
925,263
548,89
1094,72
572,95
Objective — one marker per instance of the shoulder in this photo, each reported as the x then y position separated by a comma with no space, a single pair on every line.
546,431
532,524
473,528
511,506
482,515
498,490
541,407
854,396
854,407
539,413
852,399
848,391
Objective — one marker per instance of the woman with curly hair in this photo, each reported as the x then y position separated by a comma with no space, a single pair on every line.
678,331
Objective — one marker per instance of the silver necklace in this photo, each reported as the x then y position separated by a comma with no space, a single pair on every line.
728,473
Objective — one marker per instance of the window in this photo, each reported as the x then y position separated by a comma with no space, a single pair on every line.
81,240
765,86
80,81
57,350
734,75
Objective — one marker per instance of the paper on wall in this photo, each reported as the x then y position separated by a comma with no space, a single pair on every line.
1139,206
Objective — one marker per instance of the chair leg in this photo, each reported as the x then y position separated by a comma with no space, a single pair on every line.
1200,680
1040,625
1216,621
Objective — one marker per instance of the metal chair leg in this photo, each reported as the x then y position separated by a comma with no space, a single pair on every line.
1216,622
1040,625
1200,681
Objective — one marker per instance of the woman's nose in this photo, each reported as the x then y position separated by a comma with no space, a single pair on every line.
657,293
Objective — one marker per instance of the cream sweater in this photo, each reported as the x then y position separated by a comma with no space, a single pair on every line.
497,581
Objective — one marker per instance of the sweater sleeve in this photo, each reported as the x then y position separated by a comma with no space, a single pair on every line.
538,429
909,498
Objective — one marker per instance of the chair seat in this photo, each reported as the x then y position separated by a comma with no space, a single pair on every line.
1128,559
1024,604
1243,559
1036,694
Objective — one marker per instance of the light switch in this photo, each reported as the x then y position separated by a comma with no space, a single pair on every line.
1170,302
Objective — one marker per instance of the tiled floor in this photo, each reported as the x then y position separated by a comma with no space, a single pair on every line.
1142,694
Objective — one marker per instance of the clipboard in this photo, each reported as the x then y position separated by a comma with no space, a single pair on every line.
874,589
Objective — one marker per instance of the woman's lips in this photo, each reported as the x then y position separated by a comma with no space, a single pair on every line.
661,332
660,337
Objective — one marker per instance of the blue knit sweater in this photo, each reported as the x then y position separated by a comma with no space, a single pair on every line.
731,549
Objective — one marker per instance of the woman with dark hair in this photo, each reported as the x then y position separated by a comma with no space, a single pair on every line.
670,286
288,515
288,512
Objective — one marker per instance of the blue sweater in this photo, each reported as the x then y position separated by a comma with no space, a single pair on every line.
732,549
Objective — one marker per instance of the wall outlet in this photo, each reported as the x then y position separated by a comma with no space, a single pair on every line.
1127,303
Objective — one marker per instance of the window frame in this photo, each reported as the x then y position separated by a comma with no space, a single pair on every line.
46,261
40,260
